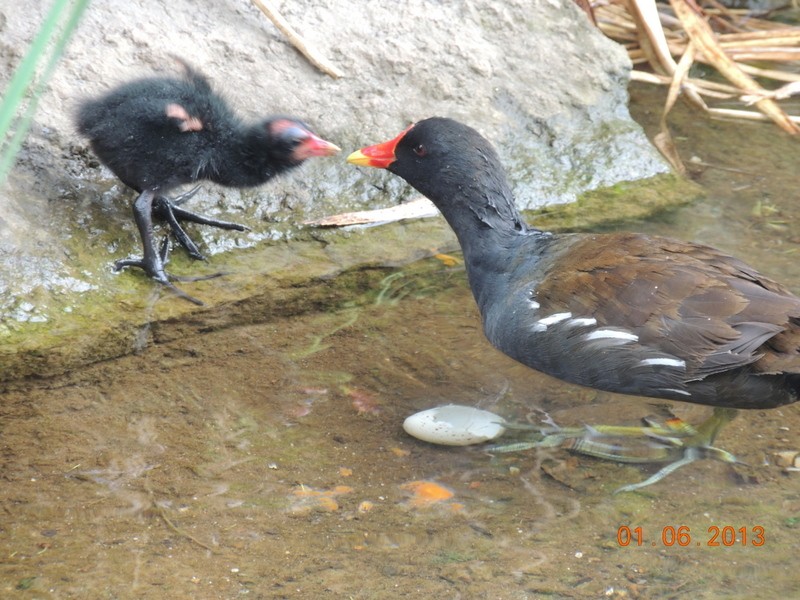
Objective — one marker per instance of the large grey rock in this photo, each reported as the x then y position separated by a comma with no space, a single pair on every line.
533,76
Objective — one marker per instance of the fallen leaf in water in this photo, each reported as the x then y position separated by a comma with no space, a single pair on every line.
363,401
447,260
309,500
426,493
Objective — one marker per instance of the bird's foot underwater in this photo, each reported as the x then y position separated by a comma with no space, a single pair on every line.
676,443
169,210
155,270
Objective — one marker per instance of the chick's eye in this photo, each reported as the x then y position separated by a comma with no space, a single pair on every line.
420,150
294,136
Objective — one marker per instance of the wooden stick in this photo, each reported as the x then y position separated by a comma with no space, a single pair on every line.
652,39
296,40
700,83
663,139
706,88
765,54
744,114
770,73
787,91
755,36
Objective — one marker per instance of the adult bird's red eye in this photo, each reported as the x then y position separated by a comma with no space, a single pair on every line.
420,150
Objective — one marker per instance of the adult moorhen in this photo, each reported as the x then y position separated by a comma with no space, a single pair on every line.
622,312
159,133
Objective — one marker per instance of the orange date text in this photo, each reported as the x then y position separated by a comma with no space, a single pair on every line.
683,535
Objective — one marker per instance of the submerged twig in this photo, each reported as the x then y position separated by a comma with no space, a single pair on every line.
748,115
161,513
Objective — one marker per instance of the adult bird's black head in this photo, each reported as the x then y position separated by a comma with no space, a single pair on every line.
161,132
621,312
431,156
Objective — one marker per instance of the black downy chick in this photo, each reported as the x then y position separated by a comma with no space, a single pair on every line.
161,132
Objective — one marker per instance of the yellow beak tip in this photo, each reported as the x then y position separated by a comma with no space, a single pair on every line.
358,158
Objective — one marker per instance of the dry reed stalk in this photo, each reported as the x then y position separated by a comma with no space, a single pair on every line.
702,36
667,32
311,54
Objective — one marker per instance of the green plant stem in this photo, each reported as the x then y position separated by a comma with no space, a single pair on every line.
23,79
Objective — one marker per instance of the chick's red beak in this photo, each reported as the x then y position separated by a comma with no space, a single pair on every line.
314,145
379,155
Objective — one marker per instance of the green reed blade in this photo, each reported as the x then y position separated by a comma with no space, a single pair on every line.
22,81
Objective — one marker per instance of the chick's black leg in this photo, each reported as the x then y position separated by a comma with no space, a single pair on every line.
167,210
178,200
184,215
164,210
152,261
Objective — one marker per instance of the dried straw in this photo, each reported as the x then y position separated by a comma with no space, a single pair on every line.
658,35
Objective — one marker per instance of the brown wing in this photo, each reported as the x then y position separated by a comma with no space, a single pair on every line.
646,316
686,300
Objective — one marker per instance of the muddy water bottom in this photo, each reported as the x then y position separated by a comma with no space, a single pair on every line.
268,460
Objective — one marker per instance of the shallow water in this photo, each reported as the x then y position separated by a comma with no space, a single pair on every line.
269,461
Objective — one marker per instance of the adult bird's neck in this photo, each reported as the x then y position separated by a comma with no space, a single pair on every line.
483,215
491,233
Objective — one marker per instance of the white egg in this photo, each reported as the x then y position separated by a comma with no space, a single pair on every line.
454,425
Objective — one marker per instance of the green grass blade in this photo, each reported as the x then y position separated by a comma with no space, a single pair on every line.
22,81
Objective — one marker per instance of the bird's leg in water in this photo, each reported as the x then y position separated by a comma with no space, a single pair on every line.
676,443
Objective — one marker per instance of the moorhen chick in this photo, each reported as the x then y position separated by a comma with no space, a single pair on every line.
621,312
161,132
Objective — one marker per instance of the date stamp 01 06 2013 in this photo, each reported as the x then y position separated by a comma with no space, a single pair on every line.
682,536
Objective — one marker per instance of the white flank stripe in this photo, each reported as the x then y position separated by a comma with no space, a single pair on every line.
556,318
665,362
602,334
683,392
582,322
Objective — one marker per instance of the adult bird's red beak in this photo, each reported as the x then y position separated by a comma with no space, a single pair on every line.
379,155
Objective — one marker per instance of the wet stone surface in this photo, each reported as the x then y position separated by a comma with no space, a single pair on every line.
560,122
